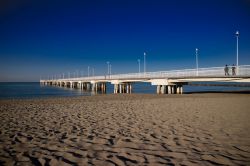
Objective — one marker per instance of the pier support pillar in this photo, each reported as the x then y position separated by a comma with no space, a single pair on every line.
163,89
88,86
173,89
94,86
158,89
181,89
120,88
130,88
178,90
127,88
103,87
169,90
116,88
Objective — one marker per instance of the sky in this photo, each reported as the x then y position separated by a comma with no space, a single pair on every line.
43,38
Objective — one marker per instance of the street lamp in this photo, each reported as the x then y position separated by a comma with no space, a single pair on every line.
237,50
139,63
197,66
144,62
108,67
88,71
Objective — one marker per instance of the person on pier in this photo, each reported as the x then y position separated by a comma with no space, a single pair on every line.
233,70
226,70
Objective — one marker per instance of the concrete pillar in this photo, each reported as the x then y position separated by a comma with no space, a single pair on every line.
93,86
178,90
169,90
127,88
84,86
181,89
172,89
116,88
120,88
88,86
123,88
158,89
163,89
103,87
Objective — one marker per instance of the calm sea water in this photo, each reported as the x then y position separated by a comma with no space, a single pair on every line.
34,90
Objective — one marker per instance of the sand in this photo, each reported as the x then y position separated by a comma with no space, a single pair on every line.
191,129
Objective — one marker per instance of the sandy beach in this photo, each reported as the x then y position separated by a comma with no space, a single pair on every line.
190,129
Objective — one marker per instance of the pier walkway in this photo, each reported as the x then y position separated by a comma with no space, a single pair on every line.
166,82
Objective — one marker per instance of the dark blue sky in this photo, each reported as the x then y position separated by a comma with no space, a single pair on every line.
55,37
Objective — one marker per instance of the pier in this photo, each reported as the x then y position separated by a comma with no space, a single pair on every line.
166,82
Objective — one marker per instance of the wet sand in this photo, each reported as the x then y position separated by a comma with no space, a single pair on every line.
191,129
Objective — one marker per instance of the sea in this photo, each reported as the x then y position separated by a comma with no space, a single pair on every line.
30,90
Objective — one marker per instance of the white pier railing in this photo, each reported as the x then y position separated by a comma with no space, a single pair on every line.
241,71
202,72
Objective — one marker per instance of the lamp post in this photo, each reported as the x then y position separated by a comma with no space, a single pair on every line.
139,63
93,71
88,71
110,70
108,67
144,62
237,49
197,65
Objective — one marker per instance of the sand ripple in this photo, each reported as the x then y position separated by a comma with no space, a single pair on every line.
126,130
